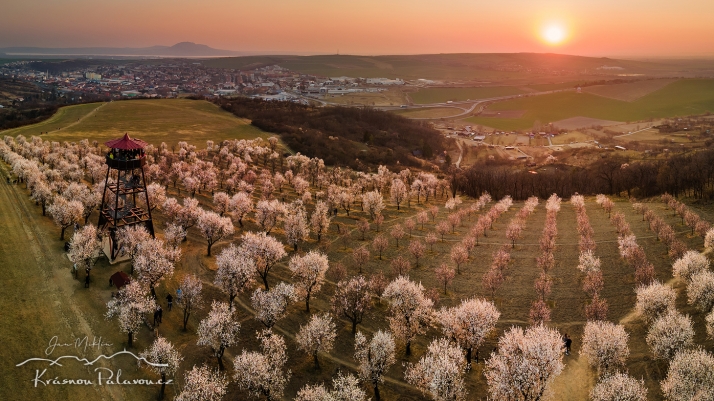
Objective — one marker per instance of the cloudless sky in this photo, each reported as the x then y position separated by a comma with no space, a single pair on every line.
593,27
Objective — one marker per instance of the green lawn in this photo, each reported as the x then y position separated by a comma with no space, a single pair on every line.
684,97
441,95
155,121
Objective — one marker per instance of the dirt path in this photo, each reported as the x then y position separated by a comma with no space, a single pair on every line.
36,306
79,120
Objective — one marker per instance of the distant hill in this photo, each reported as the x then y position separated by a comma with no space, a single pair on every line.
183,49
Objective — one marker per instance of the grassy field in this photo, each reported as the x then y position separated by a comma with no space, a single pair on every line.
155,121
684,97
441,95
629,91
573,136
430,112
390,97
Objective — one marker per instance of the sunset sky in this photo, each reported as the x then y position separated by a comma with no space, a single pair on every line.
590,27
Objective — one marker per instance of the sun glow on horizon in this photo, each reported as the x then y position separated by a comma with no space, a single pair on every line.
554,34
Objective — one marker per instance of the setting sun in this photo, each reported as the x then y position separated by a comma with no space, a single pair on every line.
554,34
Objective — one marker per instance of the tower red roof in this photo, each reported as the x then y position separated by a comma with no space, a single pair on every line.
126,143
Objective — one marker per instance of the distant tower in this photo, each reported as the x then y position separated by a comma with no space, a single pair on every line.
119,207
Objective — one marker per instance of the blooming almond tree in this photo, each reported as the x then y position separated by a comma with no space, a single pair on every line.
129,239
379,244
271,306
605,346
443,228
410,310
213,227
352,300
153,263
440,372
130,305
688,265
235,272
654,300
525,365
265,251
346,388
363,226
65,212
174,234
320,219
261,373
397,233
295,225
309,274
373,203
221,202
700,291
203,384
417,249
165,359
191,297
690,377
444,274
375,357
399,192
219,330
267,214
84,247
361,257
318,335
239,206
619,387
468,324
669,334
459,255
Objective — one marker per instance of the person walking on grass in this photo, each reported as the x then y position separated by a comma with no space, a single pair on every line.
160,313
179,293
567,342
86,281
170,300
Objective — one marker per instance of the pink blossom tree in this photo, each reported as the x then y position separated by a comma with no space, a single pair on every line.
219,330
400,266
459,255
397,233
154,263
596,309
203,384
700,291
65,212
375,357
191,297
690,264
239,206
410,225
265,251
318,335
525,365
398,192
654,300
619,387
262,373
213,227
443,228
344,388
469,324
272,305
320,219
297,229
84,247
360,256
129,240
690,376
379,244
669,334
410,310
444,275
309,274
267,214
539,313
352,300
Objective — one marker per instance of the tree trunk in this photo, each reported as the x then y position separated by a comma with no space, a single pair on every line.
409,347
317,362
307,303
186,314
219,355
209,249
265,281
354,326
130,339
468,356
62,234
230,301
163,386
376,392
43,208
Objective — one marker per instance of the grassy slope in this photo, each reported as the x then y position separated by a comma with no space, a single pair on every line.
684,97
167,120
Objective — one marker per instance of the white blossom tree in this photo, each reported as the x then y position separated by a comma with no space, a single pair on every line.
213,227
318,335
309,274
690,377
410,310
272,305
345,388
203,384
320,219
440,372
261,373
191,297
295,225
670,333
129,239
219,330
375,357
700,291
65,212
129,306
235,272
605,346
654,300
239,206
153,263
398,192
525,365
690,264
373,203
165,360
619,387
267,213
84,247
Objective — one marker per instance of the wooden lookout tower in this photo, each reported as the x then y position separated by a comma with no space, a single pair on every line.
119,200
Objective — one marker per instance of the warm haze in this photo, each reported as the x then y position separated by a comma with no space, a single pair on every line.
591,28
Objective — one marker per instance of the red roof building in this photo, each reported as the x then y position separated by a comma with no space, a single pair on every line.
126,143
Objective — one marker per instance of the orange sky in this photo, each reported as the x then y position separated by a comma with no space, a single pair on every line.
595,27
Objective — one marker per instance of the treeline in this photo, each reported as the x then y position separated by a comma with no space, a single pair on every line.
689,174
361,137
